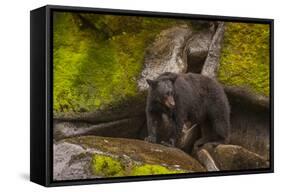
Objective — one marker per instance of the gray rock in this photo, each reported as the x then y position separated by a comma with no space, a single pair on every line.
71,162
166,54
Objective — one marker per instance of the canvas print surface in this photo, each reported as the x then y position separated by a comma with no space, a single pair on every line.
143,96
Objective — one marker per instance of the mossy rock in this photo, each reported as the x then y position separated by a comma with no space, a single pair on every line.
154,170
245,57
97,157
98,58
108,166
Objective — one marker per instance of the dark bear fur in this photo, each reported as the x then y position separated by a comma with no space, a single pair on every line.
197,99
159,110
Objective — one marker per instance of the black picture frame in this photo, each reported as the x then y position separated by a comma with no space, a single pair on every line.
41,81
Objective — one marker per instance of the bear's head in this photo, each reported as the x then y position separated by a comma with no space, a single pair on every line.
162,91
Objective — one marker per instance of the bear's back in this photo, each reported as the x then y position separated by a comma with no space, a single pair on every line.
200,86
195,77
199,81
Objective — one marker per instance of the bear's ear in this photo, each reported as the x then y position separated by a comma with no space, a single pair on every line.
151,83
173,77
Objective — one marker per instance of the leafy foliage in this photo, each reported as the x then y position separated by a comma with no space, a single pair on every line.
245,57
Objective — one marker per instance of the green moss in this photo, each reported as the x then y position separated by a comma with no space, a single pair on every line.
106,166
153,170
245,57
97,65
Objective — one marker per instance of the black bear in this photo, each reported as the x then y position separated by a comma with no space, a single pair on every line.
192,98
160,110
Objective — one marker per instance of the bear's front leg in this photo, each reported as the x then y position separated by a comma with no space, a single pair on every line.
179,125
152,123
174,136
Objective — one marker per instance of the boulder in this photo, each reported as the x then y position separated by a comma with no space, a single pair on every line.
88,157
234,157
230,157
